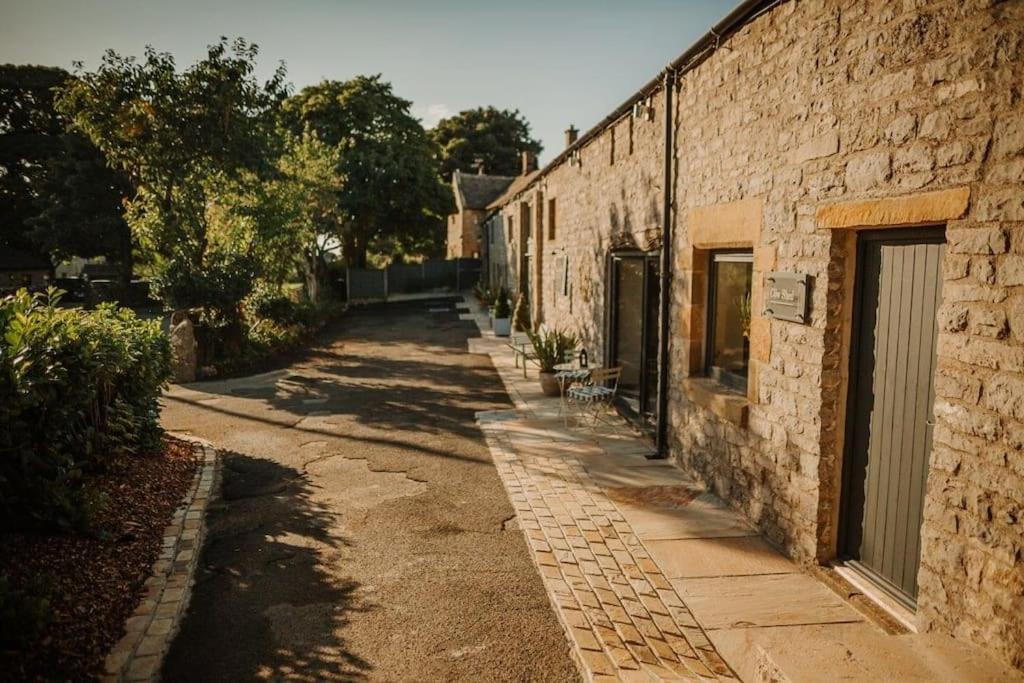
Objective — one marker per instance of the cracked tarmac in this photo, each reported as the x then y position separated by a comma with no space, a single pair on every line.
363,532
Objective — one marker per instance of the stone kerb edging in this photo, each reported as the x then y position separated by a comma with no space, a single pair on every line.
139,655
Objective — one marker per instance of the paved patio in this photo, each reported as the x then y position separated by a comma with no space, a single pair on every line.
654,578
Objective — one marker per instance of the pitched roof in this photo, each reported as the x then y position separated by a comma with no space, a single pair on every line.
745,12
16,259
477,191
518,184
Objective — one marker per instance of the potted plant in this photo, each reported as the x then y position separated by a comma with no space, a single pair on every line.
501,312
551,347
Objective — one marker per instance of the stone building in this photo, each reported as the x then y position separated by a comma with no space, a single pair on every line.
804,244
472,195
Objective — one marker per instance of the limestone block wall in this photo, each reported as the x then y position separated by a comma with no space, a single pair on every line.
819,103
815,120
609,201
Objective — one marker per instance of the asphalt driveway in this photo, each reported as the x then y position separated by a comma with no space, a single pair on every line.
363,532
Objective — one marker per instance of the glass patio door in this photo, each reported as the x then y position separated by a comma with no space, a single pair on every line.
635,286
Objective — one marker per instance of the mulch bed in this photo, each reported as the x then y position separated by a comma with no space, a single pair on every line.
94,580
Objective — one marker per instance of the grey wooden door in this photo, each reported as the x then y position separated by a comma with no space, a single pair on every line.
892,395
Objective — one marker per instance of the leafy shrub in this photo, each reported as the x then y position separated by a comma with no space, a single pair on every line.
552,347
76,387
218,285
521,314
268,303
501,307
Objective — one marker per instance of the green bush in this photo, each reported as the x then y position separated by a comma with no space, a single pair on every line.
501,307
552,347
269,303
76,387
521,314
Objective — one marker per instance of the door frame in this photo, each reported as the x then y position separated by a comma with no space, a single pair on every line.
610,349
911,235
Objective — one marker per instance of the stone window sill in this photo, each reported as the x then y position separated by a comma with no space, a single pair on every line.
725,403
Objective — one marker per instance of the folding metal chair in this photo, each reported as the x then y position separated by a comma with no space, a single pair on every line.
595,397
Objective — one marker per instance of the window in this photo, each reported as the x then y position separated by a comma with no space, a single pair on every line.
510,229
728,347
551,219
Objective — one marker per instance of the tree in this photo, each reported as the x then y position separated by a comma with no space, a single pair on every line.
494,137
291,220
387,164
57,194
80,207
183,138
310,191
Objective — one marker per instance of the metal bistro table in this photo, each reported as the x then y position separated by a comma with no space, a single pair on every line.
566,374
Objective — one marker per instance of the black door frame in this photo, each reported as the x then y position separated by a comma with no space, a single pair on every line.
624,408
848,517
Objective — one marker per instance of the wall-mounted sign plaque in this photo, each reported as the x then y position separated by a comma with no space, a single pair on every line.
786,296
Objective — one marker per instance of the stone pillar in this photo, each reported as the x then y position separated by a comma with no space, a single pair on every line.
183,348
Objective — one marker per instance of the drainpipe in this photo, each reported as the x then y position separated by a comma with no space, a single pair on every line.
666,268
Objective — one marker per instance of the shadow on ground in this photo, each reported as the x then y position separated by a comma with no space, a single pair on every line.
262,607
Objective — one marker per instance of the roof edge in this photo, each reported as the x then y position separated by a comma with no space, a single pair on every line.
740,16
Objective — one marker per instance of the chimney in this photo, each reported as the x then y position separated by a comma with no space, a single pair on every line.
570,135
529,162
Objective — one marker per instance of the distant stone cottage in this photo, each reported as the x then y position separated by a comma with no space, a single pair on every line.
804,244
472,195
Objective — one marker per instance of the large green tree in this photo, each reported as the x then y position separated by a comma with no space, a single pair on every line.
387,164
185,139
57,194
30,131
80,207
485,135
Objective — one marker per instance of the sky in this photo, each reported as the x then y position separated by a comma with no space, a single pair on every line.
558,62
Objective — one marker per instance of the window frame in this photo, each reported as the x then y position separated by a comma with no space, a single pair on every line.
552,217
726,378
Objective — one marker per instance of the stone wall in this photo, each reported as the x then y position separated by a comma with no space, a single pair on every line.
826,117
463,234
610,200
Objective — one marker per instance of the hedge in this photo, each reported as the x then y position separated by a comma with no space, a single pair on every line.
76,389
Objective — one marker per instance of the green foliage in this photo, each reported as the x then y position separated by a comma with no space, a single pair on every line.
521,314
270,303
552,347
492,137
30,130
75,388
80,205
218,285
187,140
386,165
501,307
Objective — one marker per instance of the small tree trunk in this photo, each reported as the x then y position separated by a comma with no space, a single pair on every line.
313,267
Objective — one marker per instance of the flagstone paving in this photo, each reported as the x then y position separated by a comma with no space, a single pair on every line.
654,578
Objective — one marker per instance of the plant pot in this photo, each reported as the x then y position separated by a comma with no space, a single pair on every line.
502,327
549,385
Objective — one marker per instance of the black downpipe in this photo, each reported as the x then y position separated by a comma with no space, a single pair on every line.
666,268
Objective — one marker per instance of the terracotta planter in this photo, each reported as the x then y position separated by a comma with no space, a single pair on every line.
548,384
